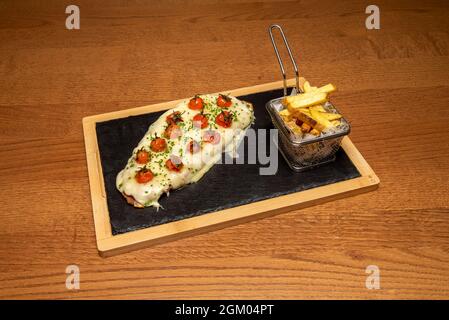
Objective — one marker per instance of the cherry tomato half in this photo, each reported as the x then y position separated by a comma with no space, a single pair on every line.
200,121
158,145
144,175
211,136
142,156
224,119
174,163
196,103
173,131
174,117
224,101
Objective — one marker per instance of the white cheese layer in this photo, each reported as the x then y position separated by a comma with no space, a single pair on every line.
194,165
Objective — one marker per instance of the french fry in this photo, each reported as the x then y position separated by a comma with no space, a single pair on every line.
301,83
323,122
328,88
308,87
294,127
304,100
318,107
336,123
330,116
303,110
304,117
285,115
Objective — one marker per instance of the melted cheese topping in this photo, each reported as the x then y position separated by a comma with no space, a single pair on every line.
194,165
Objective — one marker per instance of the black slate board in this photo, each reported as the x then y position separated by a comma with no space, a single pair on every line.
224,186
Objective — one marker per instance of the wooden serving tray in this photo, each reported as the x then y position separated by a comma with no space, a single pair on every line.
111,137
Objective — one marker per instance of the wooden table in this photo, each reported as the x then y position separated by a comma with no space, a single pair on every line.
393,86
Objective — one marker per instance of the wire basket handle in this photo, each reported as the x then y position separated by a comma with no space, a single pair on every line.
270,30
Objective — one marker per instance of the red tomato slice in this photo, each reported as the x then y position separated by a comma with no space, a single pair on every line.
174,117
173,131
144,176
142,156
158,145
174,163
224,101
196,103
224,119
200,121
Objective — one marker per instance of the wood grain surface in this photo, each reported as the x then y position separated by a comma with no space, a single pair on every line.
393,86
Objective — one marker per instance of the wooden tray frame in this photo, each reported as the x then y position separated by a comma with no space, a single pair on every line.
109,245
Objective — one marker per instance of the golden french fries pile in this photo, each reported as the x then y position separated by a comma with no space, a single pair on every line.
305,112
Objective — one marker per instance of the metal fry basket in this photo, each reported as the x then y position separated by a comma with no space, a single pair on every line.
308,151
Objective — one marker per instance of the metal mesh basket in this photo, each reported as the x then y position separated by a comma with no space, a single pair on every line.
308,151
303,153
